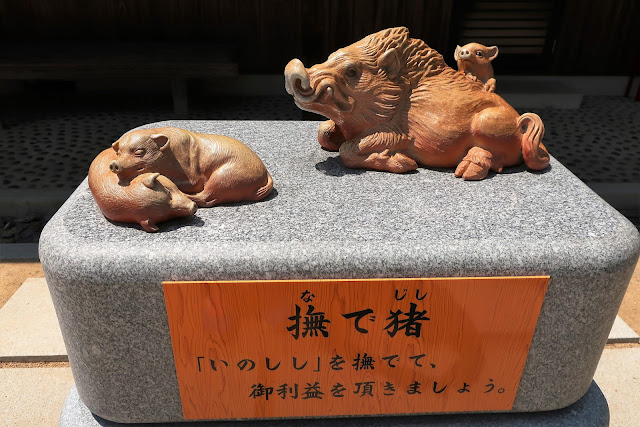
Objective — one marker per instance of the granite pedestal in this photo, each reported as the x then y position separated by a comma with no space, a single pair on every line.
591,410
326,221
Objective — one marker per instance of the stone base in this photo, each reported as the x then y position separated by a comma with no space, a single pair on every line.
591,410
326,221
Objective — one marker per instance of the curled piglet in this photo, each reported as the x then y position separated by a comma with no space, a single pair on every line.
146,199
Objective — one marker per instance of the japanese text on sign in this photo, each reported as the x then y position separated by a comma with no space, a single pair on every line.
260,349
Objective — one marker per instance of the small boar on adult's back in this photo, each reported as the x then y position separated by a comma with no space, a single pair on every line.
474,59
394,104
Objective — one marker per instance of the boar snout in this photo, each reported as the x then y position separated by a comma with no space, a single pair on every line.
296,79
181,203
114,167
465,53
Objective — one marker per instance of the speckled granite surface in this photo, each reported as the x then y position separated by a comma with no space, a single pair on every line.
325,221
590,411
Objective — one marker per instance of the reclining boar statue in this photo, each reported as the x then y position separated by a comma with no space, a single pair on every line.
394,104
210,169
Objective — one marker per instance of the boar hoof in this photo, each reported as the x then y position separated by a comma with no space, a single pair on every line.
201,201
396,163
475,165
490,85
470,171
209,203
329,136
405,164
149,226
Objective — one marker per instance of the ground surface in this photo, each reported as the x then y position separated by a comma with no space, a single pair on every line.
630,309
13,274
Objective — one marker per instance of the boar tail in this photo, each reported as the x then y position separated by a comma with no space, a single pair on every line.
265,190
535,154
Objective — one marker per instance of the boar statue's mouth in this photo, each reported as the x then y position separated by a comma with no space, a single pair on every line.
465,64
312,94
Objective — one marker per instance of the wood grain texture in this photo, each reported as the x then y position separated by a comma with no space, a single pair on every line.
265,33
478,333
598,37
65,60
591,37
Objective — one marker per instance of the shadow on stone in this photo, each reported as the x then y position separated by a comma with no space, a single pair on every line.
188,221
542,172
334,167
172,224
271,196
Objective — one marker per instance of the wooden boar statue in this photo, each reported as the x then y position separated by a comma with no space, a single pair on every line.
394,104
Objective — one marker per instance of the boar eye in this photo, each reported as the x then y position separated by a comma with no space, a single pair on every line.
139,152
351,72
479,53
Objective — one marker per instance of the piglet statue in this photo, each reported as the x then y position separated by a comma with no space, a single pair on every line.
146,199
474,59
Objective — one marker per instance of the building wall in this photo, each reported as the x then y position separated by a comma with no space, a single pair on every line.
591,37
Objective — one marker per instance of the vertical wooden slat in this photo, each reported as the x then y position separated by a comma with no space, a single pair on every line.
313,31
597,37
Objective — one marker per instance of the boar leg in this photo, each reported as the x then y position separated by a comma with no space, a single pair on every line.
475,165
490,85
330,136
226,184
205,199
471,76
496,129
149,226
375,152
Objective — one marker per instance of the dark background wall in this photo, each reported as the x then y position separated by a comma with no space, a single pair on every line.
597,37
578,37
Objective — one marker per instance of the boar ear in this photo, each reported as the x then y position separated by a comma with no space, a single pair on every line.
160,140
492,52
150,180
116,146
456,54
390,63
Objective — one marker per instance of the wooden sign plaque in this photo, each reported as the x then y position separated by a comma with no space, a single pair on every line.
296,348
